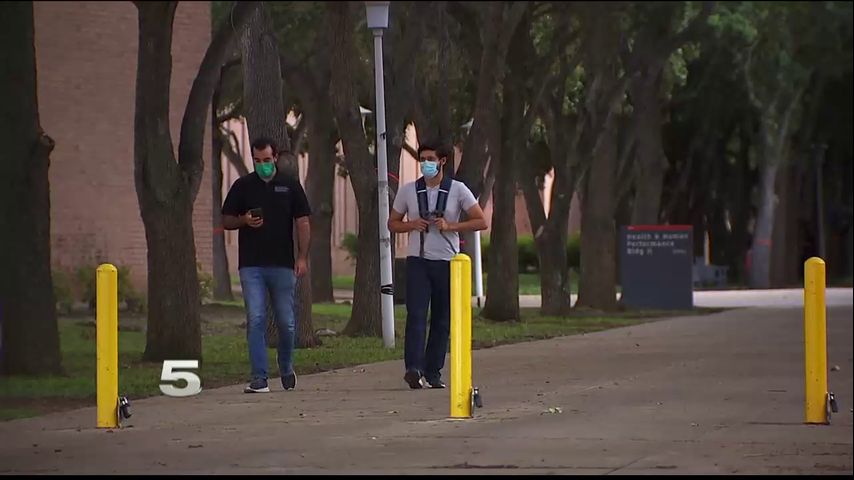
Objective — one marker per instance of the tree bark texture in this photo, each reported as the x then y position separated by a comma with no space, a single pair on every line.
320,185
29,335
551,233
365,319
774,143
650,158
597,288
221,275
310,80
502,294
165,199
499,24
166,188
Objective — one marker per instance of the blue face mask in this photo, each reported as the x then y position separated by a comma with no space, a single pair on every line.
429,168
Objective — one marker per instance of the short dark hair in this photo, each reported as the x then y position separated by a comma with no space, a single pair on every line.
261,143
441,150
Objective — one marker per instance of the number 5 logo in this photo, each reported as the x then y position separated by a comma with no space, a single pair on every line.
194,383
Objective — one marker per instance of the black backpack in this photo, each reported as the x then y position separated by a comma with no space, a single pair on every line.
441,202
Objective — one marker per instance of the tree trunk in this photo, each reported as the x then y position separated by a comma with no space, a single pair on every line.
174,330
502,293
760,250
29,336
445,131
554,275
786,254
740,209
165,199
166,189
400,80
221,275
551,246
650,151
499,24
365,319
597,289
320,183
265,114
774,138
311,83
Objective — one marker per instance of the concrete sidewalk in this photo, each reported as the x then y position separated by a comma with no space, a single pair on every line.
703,394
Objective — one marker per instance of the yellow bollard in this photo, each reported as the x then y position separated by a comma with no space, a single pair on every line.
815,342
461,384
107,326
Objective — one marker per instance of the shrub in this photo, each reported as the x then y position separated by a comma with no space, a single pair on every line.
88,288
573,250
62,290
205,283
350,242
529,262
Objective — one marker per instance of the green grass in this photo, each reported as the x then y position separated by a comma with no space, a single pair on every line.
225,356
343,282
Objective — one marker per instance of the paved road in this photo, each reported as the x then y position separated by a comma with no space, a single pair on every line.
721,393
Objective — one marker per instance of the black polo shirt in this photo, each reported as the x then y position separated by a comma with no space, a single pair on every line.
282,199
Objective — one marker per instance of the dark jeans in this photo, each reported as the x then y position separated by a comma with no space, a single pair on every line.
428,284
256,282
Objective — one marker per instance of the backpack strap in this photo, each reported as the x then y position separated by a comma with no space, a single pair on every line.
421,193
442,200
423,208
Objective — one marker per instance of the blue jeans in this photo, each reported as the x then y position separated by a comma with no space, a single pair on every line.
428,284
256,283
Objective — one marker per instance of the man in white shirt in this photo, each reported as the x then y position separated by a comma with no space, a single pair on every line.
433,240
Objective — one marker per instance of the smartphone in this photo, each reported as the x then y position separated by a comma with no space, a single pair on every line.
256,212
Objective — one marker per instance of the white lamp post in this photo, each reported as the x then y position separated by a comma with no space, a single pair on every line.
377,13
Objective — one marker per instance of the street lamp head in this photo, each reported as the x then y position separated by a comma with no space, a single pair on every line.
377,15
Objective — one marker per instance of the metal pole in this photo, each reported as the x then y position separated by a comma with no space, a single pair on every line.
386,285
478,270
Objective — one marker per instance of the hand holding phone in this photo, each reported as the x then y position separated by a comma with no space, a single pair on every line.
254,217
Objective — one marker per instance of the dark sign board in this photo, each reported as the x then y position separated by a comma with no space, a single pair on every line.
656,263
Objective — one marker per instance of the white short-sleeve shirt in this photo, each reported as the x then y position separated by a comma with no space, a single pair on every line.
460,199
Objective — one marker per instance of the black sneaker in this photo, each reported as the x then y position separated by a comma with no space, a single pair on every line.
259,385
435,383
413,378
289,381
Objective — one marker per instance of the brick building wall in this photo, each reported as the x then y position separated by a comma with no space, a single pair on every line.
86,55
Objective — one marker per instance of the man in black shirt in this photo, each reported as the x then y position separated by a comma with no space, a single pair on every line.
263,206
